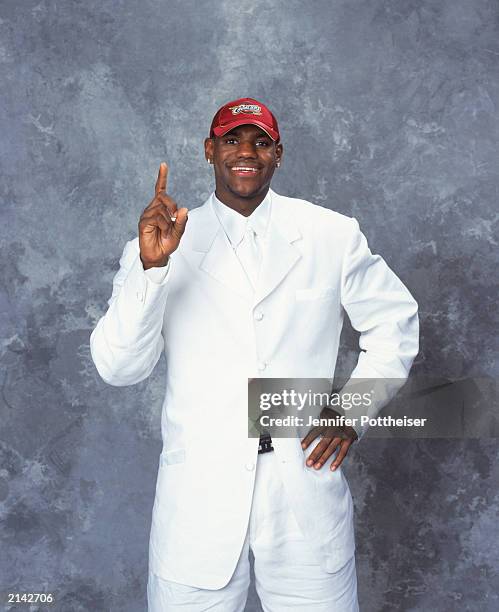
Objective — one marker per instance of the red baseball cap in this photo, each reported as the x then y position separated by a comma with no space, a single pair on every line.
242,112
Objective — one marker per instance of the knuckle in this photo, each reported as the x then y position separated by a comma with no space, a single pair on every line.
163,207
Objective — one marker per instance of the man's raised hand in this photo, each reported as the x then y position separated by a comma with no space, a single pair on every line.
161,225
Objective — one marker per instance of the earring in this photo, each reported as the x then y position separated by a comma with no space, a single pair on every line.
278,165
210,161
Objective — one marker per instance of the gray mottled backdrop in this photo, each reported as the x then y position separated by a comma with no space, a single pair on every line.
389,112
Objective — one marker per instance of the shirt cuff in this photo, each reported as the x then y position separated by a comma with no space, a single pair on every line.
158,275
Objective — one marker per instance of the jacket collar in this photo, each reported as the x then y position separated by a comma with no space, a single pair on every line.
220,261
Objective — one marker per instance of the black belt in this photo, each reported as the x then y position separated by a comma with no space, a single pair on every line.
265,445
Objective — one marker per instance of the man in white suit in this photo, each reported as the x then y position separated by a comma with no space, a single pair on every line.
254,285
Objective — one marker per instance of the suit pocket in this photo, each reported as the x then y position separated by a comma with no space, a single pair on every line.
172,457
314,293
171,479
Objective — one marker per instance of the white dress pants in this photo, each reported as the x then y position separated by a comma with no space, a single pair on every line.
287,573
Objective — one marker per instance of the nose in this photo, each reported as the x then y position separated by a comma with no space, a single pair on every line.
246,150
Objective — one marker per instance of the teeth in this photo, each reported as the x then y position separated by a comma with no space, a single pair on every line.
244,169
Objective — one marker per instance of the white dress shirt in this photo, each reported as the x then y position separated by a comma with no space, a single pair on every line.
246,235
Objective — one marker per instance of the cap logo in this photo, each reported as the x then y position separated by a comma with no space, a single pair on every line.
250,109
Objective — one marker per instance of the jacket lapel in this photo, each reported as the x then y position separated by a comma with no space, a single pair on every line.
219,259
280,254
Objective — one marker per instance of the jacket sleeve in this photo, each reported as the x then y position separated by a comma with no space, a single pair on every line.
127,341
381,308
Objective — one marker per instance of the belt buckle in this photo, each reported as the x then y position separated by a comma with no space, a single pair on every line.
265,444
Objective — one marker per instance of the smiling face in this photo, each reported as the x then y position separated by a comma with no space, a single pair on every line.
244,161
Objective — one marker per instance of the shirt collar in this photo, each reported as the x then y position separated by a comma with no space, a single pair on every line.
234,224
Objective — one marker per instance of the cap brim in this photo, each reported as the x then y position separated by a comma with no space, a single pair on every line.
220,131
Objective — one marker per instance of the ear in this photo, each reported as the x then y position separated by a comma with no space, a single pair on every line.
278,151
209,148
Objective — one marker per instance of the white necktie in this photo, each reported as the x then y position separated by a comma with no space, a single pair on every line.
248,253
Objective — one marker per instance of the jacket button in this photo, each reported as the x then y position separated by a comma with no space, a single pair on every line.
250,467
261,366
258,315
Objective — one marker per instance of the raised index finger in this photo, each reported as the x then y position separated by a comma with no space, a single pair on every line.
162,178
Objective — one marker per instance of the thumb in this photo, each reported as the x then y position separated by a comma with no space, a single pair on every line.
180,222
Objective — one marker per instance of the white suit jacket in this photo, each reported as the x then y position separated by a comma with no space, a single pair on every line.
216,333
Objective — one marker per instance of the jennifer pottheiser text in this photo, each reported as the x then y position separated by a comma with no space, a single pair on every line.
339,421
